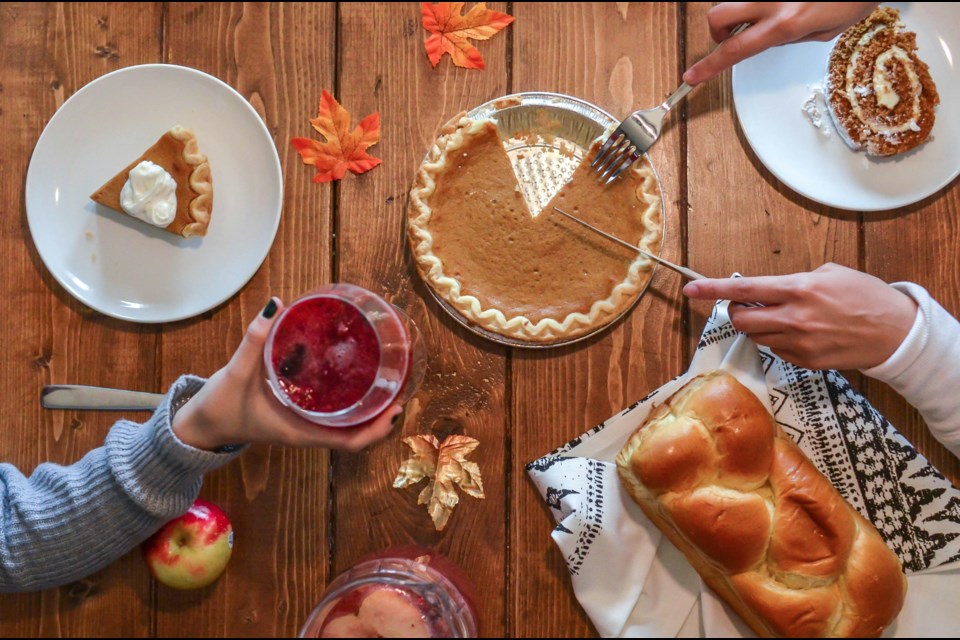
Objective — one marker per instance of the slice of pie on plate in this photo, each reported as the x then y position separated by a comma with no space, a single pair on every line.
879,92
539,279
170,186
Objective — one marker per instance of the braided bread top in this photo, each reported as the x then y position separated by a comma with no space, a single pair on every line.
764,528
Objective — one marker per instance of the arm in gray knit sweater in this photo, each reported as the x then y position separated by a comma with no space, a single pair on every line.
64,523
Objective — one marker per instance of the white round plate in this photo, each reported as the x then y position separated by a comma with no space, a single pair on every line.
122,267
769,91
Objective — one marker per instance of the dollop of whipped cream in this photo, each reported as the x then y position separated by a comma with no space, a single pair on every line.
814,107
150,194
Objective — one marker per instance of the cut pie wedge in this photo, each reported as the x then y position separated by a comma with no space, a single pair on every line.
539,279
177,154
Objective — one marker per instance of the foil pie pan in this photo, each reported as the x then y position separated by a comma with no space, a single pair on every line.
546,135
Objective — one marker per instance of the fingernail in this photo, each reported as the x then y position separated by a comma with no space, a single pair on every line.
691,289
270,309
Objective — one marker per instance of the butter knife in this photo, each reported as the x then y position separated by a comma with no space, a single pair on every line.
686,272
74,396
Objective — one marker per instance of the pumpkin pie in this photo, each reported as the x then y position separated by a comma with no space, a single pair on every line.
539,279
177,154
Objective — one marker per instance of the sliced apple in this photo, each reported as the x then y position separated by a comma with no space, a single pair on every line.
393,615
348,626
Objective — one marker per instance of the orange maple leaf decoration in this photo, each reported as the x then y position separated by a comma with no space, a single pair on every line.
341,148
449,31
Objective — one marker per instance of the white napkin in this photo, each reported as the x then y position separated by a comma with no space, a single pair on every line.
634,583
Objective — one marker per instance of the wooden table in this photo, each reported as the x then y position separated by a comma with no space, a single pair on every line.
302,517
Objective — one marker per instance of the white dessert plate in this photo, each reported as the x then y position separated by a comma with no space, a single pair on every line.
122,267
769,91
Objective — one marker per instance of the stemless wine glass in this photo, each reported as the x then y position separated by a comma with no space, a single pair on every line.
341,355
402,592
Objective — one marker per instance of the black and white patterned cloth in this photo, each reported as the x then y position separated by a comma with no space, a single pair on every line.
914,507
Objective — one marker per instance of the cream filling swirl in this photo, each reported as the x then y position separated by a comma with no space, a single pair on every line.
882,87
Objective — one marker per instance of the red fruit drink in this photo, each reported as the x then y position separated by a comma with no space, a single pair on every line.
407,592
326,355
341,356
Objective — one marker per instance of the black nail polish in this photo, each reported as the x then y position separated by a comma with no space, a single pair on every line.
270,309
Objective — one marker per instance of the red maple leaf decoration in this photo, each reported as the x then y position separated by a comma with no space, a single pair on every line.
341,149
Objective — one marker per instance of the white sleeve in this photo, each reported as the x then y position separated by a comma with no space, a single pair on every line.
925,368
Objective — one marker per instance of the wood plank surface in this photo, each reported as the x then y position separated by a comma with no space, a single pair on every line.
771,230
302,517
275,55
383,67
48,52
621,58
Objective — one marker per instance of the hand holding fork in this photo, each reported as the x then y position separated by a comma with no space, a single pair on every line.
638,132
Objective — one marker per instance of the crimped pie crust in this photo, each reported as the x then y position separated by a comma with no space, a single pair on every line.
527,326
201,181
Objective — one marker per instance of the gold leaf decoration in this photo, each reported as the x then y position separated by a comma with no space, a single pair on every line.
443,465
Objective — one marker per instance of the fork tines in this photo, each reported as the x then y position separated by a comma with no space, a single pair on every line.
613,158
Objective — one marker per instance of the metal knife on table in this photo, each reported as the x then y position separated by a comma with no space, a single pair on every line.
74,396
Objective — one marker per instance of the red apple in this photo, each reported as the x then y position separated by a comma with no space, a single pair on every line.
191,551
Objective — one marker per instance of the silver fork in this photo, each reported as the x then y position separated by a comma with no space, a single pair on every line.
638,132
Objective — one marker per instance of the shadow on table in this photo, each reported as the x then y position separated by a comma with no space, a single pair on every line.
178,602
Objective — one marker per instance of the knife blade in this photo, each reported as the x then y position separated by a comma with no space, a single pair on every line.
74,396
690,274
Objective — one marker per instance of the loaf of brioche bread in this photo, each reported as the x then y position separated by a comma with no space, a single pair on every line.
764,528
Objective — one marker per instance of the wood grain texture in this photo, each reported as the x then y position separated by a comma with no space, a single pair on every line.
302,517
275,55
48,52
383,67
621,58
918,244
740,217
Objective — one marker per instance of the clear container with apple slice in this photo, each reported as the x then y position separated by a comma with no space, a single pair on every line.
342,355
405,592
